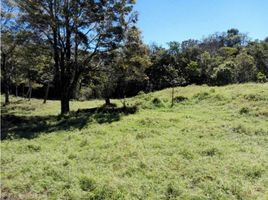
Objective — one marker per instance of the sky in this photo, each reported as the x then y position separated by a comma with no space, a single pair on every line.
162,21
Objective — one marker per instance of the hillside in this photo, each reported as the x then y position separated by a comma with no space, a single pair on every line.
213,144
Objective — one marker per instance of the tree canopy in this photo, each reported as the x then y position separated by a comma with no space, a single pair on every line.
94,49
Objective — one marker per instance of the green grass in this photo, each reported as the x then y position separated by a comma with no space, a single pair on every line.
213,144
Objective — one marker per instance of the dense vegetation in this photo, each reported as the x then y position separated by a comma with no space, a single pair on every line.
212,144
88,49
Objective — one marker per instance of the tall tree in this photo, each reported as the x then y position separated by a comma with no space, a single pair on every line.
246,68
75,27
133,63
12,35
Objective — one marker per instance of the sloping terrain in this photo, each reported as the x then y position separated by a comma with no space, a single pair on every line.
212,144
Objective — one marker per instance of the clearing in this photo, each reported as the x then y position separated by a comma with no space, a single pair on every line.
213,144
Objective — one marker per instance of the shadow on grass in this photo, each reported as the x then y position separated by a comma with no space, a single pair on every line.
32,126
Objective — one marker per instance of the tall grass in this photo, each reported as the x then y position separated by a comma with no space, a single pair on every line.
212,144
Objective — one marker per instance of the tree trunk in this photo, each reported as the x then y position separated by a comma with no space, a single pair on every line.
65,95
46,94
7,93
16,92
65,107
107,101
30,91
172,97
5,77
23,95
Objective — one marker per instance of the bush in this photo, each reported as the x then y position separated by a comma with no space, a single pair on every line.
261,78
157,102
172,191
179,99
201,96
211,152
244,110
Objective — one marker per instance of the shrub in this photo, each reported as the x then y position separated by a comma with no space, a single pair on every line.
244,110
157,102
201,95
179,99
261,78
172,192
211,151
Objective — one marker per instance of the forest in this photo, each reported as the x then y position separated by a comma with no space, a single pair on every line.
91,111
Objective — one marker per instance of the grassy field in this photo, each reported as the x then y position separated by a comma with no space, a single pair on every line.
213,144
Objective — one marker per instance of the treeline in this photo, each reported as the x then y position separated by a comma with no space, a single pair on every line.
93,49
220,59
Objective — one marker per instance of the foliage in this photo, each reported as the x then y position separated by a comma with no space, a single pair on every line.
261,78
76,31
246,69
225,73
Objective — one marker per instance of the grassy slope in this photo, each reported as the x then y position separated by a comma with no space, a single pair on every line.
212,146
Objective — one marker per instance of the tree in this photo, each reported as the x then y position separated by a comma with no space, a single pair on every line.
133,63
159,70
225,73
175,79
213,42
73,28
205,62
228,52
193,71
246,69
12,35
108,74
235,38
259,51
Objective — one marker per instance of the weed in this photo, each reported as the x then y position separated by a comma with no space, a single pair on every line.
211,151
34,147
244,110
179,99
157,102
254,97
254,173
172,192
201,96
87,184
